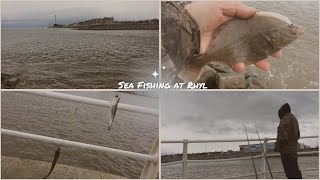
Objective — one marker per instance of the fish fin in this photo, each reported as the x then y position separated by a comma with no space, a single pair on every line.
192,70
216,32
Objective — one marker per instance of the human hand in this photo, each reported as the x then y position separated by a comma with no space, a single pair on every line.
210,15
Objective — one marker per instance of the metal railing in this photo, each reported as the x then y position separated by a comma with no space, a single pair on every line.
148,172
264,171
95,102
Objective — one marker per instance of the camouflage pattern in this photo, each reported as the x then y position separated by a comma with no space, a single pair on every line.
288,131
180,39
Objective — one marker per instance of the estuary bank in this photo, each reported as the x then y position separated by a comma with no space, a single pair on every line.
108,23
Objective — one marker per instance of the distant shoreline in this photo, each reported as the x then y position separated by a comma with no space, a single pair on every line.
109,24
113,27
221,155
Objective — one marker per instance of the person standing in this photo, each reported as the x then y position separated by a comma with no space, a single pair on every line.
287,142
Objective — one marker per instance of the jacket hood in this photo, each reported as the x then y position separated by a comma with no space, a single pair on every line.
285,109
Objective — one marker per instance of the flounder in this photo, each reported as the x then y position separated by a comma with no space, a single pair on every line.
245,40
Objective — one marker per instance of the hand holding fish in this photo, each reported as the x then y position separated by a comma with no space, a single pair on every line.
210,15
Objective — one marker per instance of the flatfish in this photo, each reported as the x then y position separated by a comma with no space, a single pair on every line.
245,40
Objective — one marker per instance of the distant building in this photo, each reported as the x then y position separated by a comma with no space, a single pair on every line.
270,147
58,25
96,21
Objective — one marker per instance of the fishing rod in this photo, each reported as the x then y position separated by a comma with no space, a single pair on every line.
264,153
254,166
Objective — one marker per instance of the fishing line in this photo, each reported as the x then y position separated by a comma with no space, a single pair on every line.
264,153
254,166
270,75
74,113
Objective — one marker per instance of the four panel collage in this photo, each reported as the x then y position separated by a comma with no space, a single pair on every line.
159,89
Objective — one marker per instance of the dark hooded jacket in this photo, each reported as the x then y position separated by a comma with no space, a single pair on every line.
288,131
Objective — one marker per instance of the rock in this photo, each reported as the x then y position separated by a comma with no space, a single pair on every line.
10,81
206,73
217,76
254,82
219,67
230,81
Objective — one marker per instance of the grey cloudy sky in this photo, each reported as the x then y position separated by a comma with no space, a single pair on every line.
36,13
222,115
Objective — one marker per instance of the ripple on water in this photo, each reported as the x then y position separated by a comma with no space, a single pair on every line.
61,58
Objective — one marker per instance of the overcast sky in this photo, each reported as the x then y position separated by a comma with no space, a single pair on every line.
222,115
23,14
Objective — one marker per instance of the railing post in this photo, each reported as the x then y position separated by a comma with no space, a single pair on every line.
184,158
263,160
151,169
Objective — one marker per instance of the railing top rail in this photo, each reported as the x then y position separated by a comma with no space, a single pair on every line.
79,145
95,102
225,140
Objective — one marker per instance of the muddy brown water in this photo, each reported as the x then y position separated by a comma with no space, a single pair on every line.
75,59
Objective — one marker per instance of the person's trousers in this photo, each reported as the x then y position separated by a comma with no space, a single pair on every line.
290,166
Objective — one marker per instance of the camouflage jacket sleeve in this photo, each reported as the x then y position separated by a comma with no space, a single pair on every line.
180,39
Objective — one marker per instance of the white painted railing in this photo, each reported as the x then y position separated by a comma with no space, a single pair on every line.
95,102
264,171
79,145
150,170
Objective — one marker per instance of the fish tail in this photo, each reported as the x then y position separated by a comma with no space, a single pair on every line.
111,118
54,162
192,70
47,176
110,125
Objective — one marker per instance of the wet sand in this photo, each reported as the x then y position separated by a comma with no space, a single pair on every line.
17,168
